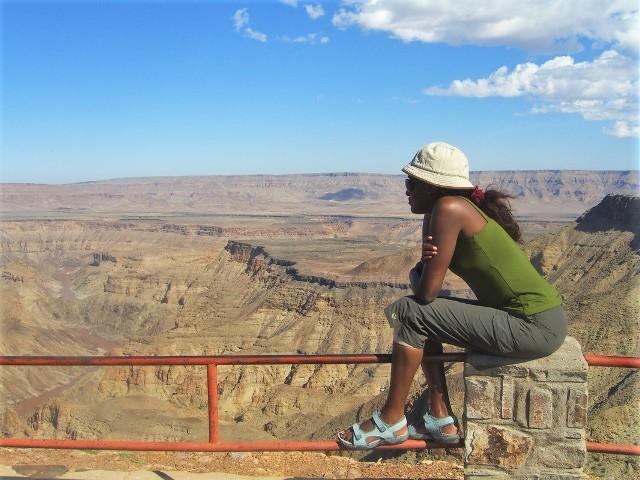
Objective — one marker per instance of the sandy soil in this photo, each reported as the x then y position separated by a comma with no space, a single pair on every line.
294,464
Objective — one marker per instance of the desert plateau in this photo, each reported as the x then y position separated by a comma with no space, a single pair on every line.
277,264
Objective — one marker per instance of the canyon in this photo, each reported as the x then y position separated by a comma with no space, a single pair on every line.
274,264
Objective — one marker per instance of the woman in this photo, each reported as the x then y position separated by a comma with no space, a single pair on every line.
518,313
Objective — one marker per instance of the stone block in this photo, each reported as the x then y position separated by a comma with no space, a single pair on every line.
497,445
561,476
560,394
520,403
575,434
567,364
485,474
577,406
481,394
565,455
491,365
539,408
507,398
490,474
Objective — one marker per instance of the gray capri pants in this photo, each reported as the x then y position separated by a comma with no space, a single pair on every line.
468,324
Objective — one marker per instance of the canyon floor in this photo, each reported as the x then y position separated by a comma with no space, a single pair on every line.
79,282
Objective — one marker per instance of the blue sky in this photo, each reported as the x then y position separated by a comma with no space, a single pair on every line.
95,90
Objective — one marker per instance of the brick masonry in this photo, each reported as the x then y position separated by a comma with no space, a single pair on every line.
526,420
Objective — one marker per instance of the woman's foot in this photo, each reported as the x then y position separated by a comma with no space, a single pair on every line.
394,430
450,429
436,429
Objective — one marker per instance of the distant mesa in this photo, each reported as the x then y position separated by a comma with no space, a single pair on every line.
345,195
618,212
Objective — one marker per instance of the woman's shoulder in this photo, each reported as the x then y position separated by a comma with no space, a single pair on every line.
466,214
455,204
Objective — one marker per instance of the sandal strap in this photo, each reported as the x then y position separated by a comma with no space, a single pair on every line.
357,432
378,422
381,432
434,425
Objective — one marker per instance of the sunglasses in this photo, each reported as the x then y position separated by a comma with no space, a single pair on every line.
410,183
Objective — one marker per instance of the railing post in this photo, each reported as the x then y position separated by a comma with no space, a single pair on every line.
212,391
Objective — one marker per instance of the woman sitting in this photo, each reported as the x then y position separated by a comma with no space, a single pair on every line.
517,314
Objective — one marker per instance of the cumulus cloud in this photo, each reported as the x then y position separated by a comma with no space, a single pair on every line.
314,11
290,3
241,19
624,130
536,25
603,89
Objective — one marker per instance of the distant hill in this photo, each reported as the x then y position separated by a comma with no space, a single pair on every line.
345,195
544,193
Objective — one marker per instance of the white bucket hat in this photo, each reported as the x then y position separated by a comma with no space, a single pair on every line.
440,164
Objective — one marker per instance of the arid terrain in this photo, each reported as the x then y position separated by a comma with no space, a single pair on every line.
275,264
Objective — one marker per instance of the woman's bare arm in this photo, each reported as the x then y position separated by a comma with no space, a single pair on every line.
444,227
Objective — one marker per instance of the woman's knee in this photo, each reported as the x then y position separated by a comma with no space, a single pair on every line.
410,307
403,316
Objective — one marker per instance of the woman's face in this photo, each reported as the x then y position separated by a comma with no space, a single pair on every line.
422,196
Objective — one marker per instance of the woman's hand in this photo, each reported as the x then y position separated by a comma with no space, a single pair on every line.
429,250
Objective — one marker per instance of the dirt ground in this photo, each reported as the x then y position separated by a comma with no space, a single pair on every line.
307,465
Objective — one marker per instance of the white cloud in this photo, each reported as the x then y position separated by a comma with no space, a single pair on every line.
603,89
252,34
624,130
290,3
310,38
314,11
240,18
536,25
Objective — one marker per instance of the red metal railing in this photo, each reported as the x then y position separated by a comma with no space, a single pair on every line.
214,444
211,362
611,361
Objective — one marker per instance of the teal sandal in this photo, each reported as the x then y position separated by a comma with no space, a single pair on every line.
384,433
434,433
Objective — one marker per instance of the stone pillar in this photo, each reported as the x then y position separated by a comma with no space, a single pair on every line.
526,420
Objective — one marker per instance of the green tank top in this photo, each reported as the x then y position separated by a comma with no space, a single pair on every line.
499,272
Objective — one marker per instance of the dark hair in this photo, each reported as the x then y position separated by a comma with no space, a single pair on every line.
495,204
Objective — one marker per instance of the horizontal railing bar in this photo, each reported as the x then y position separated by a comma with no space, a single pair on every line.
265,446
619,448
592,359
262,446
611,361
217,359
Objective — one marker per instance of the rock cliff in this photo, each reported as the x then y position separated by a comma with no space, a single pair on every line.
595,264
